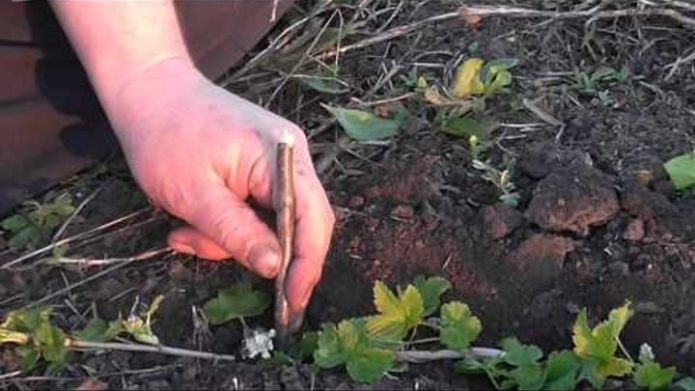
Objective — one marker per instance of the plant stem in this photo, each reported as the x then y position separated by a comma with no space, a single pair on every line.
420,356
172,351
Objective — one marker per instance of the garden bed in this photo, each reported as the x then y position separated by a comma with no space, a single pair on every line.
597,221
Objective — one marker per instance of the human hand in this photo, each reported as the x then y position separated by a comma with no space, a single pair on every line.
201,152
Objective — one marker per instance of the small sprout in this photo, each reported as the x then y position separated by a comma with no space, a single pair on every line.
257,342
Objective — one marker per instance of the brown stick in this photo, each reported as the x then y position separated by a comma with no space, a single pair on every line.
285,221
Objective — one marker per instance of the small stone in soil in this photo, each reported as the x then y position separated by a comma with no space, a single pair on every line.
356,202
573,199
634,231
541,258
501,220
619,268
402,212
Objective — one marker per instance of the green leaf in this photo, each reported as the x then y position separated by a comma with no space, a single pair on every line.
27,320
14,223
687,384
28,357
589,372
465,127
459,327
29,236
528,377
397,315
518,354
330,352
469,366
325,83
369,365
52,343
365,126
681,170
562,370
499,81
98,330
308,345
494,67
236,302
653,377
431,289
601,342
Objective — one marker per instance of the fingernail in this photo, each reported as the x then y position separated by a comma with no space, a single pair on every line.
183,248
264,259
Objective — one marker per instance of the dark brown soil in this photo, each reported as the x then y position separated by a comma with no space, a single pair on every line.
597,224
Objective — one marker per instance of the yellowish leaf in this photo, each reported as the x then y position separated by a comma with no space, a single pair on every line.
617,367
467,81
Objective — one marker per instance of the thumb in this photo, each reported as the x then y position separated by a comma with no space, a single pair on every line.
226,227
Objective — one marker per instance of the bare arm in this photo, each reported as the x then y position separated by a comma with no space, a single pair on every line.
197,150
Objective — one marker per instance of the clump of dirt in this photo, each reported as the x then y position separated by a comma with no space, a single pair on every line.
573,199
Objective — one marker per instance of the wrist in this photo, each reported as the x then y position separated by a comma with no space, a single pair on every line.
146,89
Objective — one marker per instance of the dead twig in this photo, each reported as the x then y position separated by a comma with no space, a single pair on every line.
77,211
67,289
285,322
540,113
519,12
71,239
162,349
89,262
390,34
422,356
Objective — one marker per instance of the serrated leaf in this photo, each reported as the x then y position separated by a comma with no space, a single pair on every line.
330,352
370,365
238,301
431,289
26,320
518,354
687,384
308,345
29,236
601,343
98,330
589,372
562,370
397,315
469,366
363,125
28,357
467,80
653,377
459,327
52,343
465,127
14,223
352,335
681,170
528,377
